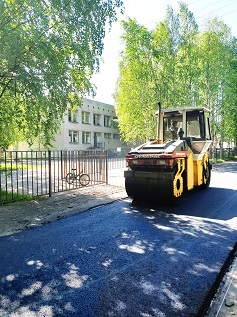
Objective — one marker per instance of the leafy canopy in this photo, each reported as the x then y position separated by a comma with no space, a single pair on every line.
48,52
178,65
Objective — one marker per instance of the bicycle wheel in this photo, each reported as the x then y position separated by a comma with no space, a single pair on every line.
69,178
84,179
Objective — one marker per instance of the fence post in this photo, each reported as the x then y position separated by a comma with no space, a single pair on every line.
50,174
61,162
106,168
211,153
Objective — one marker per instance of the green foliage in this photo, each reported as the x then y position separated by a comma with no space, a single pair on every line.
7,197
13,167
136,105
48,53
180,66
230,106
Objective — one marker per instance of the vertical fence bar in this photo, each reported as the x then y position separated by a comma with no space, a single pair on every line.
106,169
12,187
93,157
33,172
27,173
50,176
43,174
61,169
58,170
22,174
53,170
17,178
6,172
36,173
46,170
0,181
40,171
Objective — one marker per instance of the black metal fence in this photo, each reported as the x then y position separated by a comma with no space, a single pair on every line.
223,153
28,174
25,174
115,163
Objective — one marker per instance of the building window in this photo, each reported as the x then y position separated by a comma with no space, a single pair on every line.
73,136
86,137
107,135
96,119
72,115
85,117
97,139
107,121
115,123
116,136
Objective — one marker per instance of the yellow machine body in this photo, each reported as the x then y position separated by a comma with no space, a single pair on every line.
177,161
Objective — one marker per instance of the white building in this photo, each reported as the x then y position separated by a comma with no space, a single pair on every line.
92,125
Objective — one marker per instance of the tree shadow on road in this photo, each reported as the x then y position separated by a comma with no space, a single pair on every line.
120,260
215,203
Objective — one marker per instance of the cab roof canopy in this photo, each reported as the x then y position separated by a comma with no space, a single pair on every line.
182,110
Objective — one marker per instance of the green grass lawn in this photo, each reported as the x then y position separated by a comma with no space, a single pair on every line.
14,167
9,197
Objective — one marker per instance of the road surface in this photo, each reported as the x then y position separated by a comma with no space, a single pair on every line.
123,260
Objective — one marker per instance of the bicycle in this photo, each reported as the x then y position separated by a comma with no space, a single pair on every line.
82,178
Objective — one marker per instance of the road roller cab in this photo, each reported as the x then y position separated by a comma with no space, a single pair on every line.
177,161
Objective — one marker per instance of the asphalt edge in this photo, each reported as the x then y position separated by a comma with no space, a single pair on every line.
204,310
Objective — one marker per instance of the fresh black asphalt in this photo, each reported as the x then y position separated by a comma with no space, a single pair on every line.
121,259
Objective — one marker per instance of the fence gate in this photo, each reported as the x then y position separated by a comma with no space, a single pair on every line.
26,174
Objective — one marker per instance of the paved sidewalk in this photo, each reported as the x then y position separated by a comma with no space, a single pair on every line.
21,216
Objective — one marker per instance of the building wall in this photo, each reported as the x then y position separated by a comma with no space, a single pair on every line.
91,125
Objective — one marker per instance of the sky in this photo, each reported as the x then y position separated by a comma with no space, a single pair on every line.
149,13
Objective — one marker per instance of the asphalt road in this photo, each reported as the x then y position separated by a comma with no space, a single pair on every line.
123,260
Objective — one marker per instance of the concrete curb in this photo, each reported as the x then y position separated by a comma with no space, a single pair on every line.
224,303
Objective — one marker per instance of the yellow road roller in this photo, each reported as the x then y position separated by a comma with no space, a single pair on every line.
175,162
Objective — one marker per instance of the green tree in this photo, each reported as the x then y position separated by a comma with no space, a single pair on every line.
48,53
175,49
180,66
164,60
187,71
135,92
229,130
216,77
154,68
